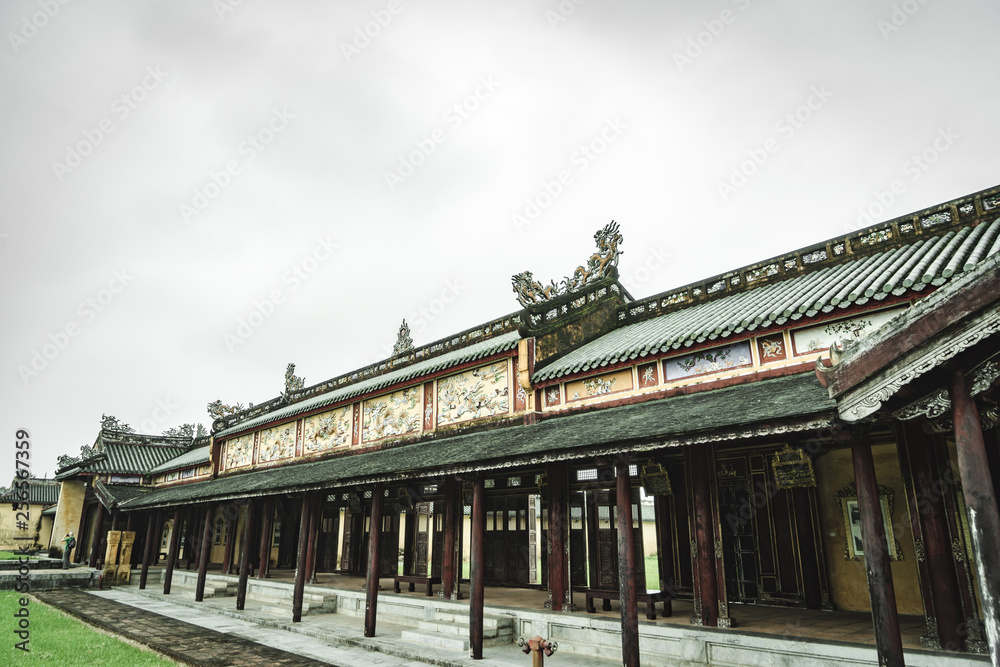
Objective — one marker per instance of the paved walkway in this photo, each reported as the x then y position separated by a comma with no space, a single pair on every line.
204,634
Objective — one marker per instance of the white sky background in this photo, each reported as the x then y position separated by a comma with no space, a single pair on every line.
156,353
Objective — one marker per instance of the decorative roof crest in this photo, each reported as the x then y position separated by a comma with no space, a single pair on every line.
218,410
404,342
293,382
600,265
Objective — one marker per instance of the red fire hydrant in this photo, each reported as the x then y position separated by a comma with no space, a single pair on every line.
538,648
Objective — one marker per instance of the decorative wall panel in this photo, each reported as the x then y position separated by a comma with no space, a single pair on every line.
771,348
609,383
702,362
239,452
327,430
395,414
649,375
818,338
276,443
475,394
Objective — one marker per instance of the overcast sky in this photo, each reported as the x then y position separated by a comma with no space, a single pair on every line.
170,168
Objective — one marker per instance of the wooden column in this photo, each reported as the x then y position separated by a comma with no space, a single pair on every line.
95,548
557,475
477,572
301,566
241,590
409,540
175,543
704,560
880,589
147,552
265,538
980,504
374,562
665,550
925,491
232,515
203,552
626,565
451,491
315,514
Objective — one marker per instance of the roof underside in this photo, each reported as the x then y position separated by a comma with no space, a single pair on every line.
486,348
639,426
910,268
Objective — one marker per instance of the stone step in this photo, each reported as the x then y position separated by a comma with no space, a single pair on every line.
461,619
307,608
282,604
448,641
463,630
187,589
281,597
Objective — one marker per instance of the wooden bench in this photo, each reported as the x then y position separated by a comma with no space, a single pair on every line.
649,597
415,579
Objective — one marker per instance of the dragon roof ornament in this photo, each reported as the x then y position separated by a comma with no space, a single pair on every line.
404,342
600,265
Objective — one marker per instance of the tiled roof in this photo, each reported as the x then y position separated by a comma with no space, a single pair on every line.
132,459
112,495
660,421
40,492
501,343
908,268
193,457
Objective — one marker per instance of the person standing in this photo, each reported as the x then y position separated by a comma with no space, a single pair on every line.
69,542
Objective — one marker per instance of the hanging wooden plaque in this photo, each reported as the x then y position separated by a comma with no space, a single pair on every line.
793,469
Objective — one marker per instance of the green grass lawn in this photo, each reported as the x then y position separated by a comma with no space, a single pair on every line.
8,555
57,638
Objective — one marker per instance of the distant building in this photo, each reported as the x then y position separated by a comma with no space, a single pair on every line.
43,495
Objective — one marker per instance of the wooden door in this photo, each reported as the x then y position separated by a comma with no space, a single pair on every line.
606,552
327,547
422,538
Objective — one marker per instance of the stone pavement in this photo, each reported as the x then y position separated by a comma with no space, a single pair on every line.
204,634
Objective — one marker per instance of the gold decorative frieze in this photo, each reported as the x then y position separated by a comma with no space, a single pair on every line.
392,415
239,452
474,394
276,443
327,430
594,387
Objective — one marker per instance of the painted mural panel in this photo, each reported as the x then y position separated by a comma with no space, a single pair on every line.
475,394
609,383
239,452
276,443
702,362
327,430
818,338
648,376
771,348
395,414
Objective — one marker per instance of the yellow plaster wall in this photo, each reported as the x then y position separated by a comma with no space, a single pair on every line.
848,585
36,524
68,511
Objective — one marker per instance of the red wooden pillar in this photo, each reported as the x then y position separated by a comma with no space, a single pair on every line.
301,566
147,552
448,569
980,504
880,589
374,562
95,548
557,475
241,590
704,570
477,573
626,565
315,514
204,550
929,522
231,512
265,539
665,551
175,543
